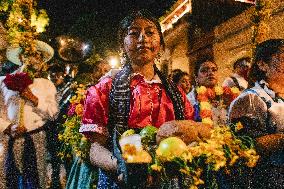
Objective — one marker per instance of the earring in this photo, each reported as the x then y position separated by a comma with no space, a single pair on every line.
158,58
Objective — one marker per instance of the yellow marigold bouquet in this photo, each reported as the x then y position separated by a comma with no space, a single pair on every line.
74,143
224,151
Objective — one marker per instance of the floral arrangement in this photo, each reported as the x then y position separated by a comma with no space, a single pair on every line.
218,96
25,23
74,143
224,151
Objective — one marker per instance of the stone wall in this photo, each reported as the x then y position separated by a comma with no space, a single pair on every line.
176,47
227,42
233,37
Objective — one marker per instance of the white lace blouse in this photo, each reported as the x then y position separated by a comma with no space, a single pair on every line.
260,103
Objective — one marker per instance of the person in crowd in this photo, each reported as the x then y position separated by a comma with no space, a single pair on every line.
240,74
82,173
23,114
137,96
206,75
174,72
56,168
182,79
57,74
260,109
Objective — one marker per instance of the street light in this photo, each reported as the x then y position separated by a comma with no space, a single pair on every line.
114,62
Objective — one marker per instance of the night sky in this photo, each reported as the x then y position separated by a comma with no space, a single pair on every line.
95,19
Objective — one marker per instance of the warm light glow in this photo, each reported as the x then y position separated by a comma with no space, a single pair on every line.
114,62
67,68
174,16
247,1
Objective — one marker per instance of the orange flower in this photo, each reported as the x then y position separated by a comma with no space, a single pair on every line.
206,113
210,93
79,110
202,97
227,91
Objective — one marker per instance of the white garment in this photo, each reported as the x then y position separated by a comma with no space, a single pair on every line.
219,116
34,117
228,82
251,104
192,97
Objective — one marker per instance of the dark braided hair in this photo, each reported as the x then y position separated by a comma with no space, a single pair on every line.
264,52
119,98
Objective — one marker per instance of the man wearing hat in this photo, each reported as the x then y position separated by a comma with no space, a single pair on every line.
239,77
23,156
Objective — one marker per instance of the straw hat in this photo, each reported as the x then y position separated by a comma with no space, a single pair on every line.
14,52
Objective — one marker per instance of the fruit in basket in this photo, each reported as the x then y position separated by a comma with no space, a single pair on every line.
171,148
138,157
148,134
128,133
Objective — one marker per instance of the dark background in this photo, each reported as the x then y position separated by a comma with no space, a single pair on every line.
96,20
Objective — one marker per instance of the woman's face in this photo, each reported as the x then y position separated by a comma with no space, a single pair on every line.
207,74
184,83
142,41
275,72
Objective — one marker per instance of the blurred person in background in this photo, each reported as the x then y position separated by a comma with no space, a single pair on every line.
239,78
182,79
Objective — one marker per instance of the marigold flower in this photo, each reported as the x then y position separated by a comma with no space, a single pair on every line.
206,113
201,90
218,90
219,163
202,97
227,91
239,126
210,93
185,171
235,90
79,109
205,106
156,167
234,160
207,121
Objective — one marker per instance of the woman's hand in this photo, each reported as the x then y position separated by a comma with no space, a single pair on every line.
187,130
15,130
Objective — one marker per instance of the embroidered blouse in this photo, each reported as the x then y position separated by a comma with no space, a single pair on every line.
149,105
261,113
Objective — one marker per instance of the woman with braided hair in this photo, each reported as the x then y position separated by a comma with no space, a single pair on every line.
137,96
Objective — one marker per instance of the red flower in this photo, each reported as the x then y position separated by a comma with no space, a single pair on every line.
18,81
227,91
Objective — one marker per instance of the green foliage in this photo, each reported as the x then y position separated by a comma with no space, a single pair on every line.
74,143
